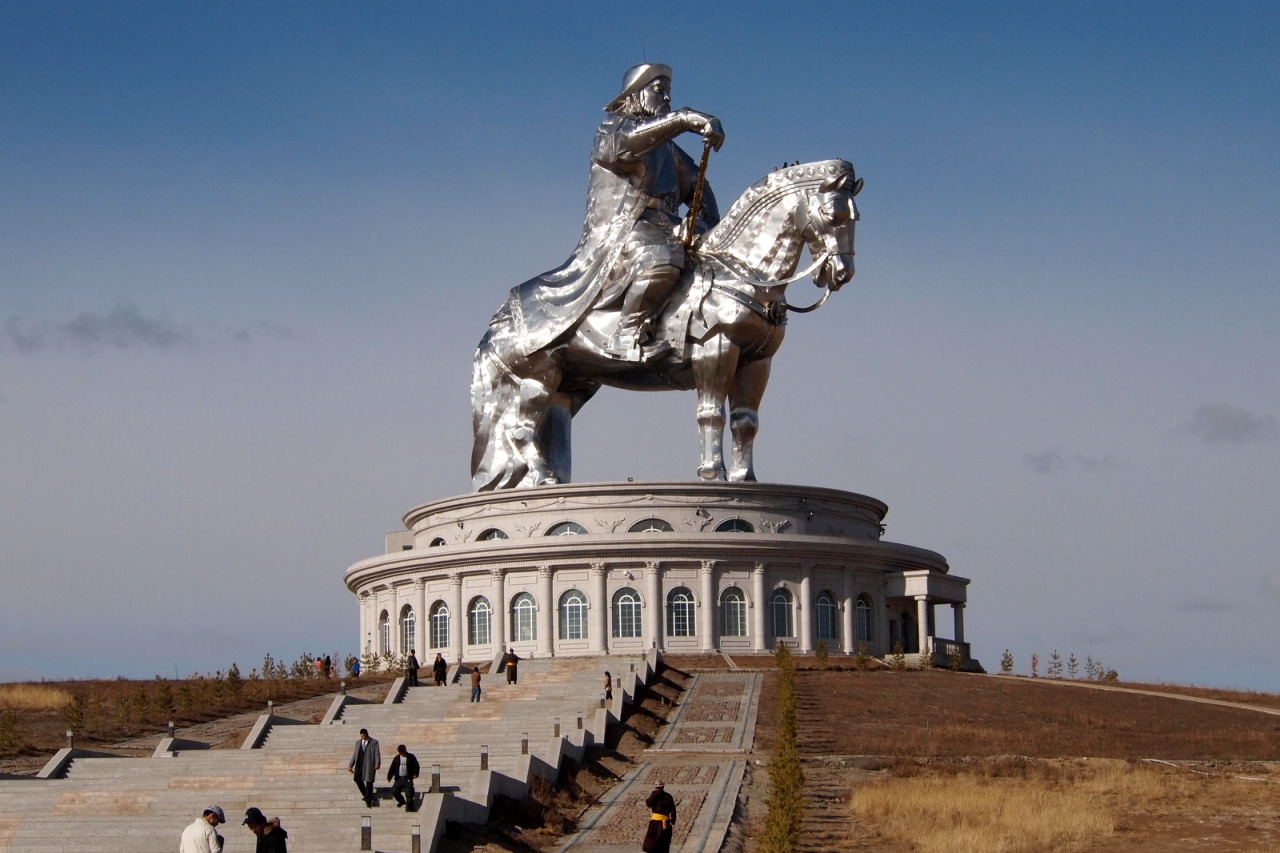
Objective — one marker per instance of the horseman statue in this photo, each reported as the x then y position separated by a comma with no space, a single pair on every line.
653,300
632,253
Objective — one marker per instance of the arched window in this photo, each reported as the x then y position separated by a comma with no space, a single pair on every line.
626,613
784,623
384,633
478,613
491,535
524,623
573,616
828,618
735,525
680,613
733,613
651,525
439,625
567,528
437,542
408,623
863,611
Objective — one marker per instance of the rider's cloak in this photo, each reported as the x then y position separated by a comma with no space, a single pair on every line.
622,187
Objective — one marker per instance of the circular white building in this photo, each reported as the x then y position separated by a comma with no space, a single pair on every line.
595,568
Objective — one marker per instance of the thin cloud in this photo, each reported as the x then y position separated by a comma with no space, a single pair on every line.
123,327
1222,423
1051,462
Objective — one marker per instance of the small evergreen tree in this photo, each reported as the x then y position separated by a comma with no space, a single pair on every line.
1055,665
235,684
1035,666
862,657
820,653
898,659
1073,665
1006,663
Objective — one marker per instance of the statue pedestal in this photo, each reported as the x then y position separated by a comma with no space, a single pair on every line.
598,568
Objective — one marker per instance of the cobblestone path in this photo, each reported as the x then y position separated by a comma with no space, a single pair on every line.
699,755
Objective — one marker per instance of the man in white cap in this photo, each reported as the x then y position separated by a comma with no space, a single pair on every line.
631,254
200,836
662,820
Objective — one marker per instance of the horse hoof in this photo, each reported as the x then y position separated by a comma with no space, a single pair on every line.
711,473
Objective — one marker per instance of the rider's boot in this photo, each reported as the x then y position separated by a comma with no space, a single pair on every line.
644,299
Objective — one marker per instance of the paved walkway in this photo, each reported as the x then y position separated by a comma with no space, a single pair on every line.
700,755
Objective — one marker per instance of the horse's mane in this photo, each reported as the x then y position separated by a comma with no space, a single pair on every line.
767,191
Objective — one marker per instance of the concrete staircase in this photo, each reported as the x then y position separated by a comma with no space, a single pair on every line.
83,802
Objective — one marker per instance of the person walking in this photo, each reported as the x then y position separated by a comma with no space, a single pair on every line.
608,686
403,770
510,662
200,836
662,819
411,668
366,759
440,669
271,836
475,684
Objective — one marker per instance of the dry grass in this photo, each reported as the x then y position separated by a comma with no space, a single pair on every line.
33,697
1039,807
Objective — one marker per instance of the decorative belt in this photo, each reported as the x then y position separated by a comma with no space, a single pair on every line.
664,818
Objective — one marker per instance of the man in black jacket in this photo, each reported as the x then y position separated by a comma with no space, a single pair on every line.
404,769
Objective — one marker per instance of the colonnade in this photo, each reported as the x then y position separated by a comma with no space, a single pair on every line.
705,624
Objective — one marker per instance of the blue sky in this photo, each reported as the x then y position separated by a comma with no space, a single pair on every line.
246,251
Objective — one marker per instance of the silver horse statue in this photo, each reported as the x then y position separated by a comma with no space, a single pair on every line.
724,321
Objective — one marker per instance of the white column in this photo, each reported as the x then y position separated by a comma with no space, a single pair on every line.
760,606
707,639
848,610
922,622
653,592
805,606
498,619
421,625
457,618
546,607
957,613
365,641
597,608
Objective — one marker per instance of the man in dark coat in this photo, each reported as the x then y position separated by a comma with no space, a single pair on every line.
662,818
271,835
440,669
411,668
404,769
510,662
366,759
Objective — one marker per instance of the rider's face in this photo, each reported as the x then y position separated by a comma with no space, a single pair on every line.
655,98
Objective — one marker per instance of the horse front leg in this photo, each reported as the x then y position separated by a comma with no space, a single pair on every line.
714,361
744,417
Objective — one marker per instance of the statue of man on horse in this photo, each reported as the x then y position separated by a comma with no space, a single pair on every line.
643,305
632,250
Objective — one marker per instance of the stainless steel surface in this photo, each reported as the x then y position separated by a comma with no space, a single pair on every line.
632,309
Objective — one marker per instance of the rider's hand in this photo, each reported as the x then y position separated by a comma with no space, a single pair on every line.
705,126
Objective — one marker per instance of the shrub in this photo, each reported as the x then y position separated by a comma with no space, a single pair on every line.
1035,666
820,652
862,657
898,658
786,779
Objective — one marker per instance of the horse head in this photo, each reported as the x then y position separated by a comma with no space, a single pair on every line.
827,220
768,226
